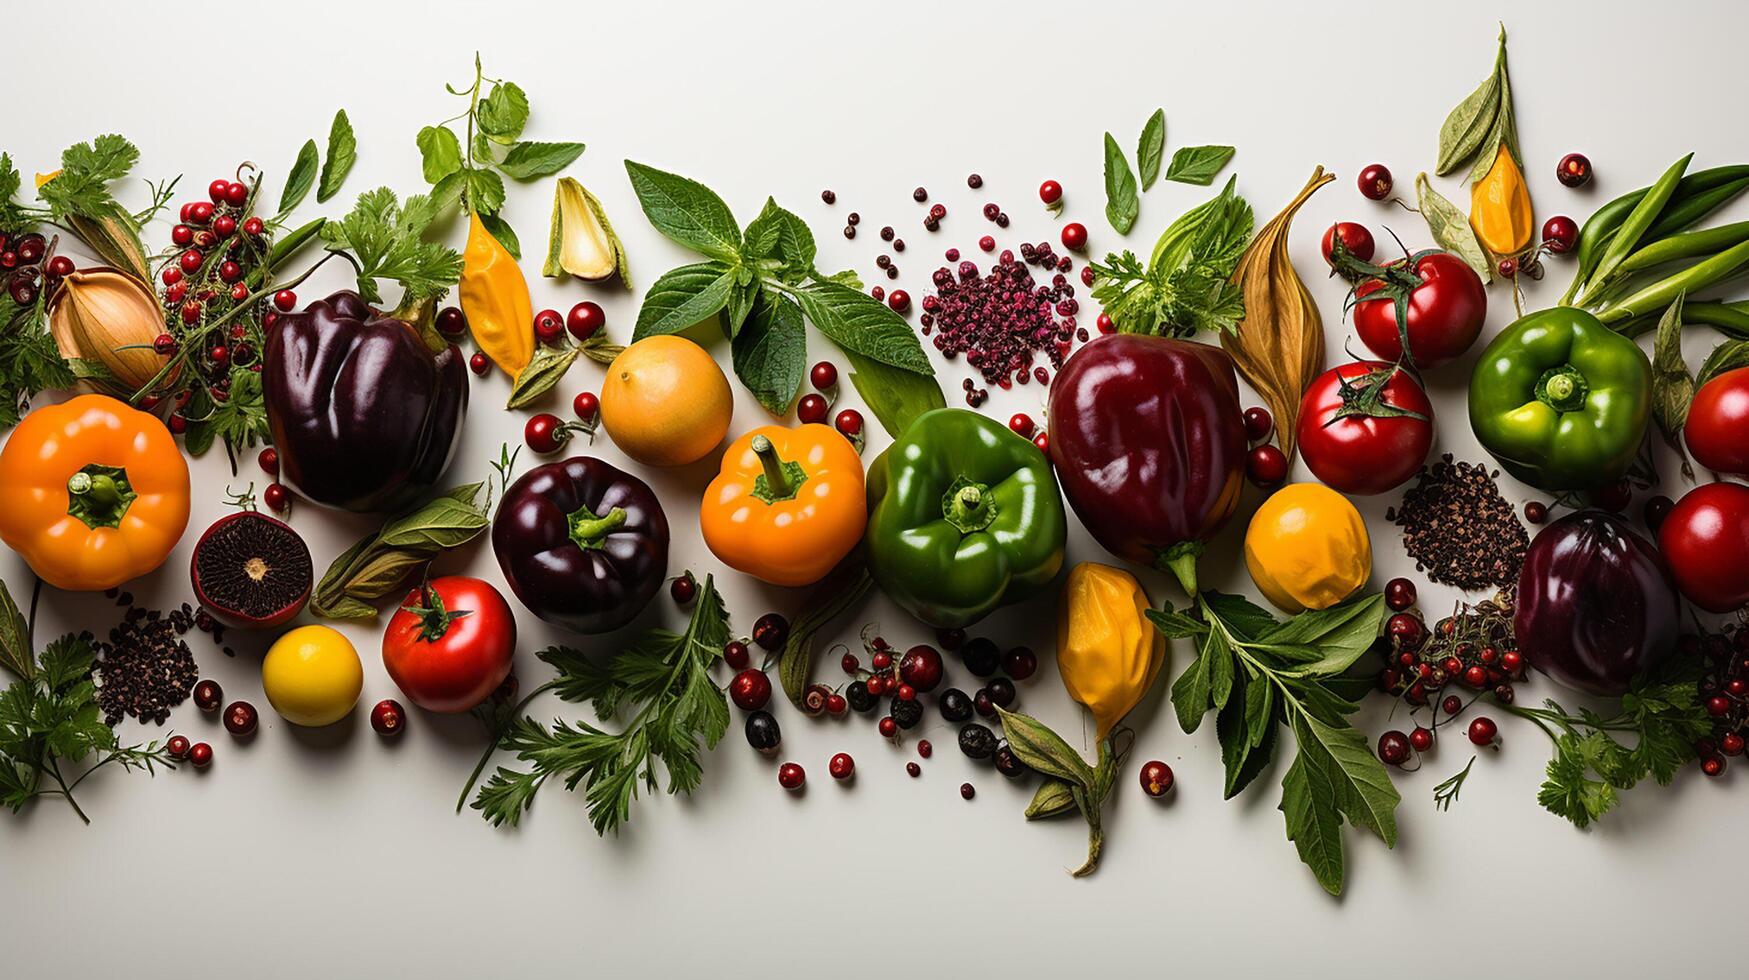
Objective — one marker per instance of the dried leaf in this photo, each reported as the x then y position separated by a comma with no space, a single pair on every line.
1451,229
1279,346
1672,385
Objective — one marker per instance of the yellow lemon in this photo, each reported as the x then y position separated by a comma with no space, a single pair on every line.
312,676
665,401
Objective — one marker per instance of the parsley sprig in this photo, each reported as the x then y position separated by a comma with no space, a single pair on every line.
677,710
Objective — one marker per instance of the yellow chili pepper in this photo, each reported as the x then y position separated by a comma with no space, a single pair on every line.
1107,651
1500,210
494,296
1307,548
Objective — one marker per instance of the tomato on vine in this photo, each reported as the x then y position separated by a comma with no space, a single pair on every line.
1430,303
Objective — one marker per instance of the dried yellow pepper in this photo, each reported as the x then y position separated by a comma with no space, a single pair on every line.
1107,651
1307,548
1500,209
494,296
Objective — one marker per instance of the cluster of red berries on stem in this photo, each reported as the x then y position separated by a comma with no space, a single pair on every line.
1445,669
31,268
1723,689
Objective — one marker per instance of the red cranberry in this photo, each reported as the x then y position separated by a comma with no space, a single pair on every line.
1375,182
1407,629
182,236
1574,170
1560,234
216,190
1074,236
841,767
1050,192
224,226
1020,663
683,590
269,461
811,409
925,749
208,695
849,422
1718,705
823,376
1156,778
585,319
452,322
899,300
199,213
987,243
1400,594
545,433
770,631
1393,748
750,690
1105,324
200,754
1657,508
240,718
1266,466
1712,765
1535,511
190,261
913,770
388,717
1022,425
888,727
736,655
236,195
177,746
1731,744
1043,441
849,664
284,300
1452,704
586,406
790,776
1421,739
164,344
920,668
479,363
276,497
1476,677
1258,423
253,227
549,327
1483,731
967,791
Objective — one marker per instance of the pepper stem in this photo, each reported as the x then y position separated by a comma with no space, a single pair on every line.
775,478
99,495
1180,560
1563,388
588,530
968,506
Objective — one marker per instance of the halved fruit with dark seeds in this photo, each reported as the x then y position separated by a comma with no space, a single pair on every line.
252,571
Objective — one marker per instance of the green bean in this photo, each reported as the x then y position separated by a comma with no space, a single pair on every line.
1642,217
1731,319
1683,212
1604,222
1691,280
1686,245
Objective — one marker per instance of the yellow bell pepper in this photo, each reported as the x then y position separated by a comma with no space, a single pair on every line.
1500,211
1307,548
1107,651
494,296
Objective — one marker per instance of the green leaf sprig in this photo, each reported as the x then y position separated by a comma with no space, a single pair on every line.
1260,675
1186,286
662,680
379,564
385,239
1069,784
303,175
1190,165
760,286
470,168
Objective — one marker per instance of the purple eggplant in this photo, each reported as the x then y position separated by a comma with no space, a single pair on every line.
365,416
583,544
1596,604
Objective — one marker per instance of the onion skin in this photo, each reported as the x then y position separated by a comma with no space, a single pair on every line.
1596,604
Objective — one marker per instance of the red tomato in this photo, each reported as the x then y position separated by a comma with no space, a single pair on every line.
1705,540
1366,452
449,646
1445,311
1717,430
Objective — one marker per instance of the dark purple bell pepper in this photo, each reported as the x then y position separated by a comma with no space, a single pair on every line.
1596,604
365,416
584,545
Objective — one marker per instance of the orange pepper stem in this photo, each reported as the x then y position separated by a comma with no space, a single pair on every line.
588,530
782,478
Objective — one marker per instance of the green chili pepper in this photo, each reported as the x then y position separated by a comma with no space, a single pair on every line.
1642,217
1731,319
1687,205
1693,279
1686,245
1561,400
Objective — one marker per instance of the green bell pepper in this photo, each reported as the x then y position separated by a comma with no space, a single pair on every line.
964,516
1562,400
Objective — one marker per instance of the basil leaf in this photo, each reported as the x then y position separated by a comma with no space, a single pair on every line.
502,231
687,212
300,178
1451,229
546,369
1672,385
861,324
526,161
771,352
1121,205
1198,164
682,297
440,153
1151,148
895,396
780,234
342,154
503,112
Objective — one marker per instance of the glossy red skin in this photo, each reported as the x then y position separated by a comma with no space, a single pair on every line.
1717,430
1706,541
1596,604
1147,439
1445,313
462,668
1359,455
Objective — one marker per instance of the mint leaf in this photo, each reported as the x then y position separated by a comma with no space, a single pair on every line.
1121,205
440,152
484,192
503,112
1151,148
505,234
895,396
682,297
861,324
687,212
771,352
526,161
342,154
300,178
1198,164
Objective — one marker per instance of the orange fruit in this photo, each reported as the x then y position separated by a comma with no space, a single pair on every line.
665,401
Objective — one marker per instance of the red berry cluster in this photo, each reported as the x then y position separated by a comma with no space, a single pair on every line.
1466,655
1724,690
31,268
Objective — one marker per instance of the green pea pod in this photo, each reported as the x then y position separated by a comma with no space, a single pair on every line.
1693,279
1730,319
1642,217
1686,245
1684,210
1606,220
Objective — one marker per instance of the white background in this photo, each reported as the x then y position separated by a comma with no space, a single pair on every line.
335,853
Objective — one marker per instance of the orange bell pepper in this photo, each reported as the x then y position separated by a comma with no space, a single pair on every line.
788,504
92,493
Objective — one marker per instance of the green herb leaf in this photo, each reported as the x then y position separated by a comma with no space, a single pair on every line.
546,369
687,212
526,161
503,112
1043,750
683,297
15,653
379,564
440,153
1446,793
1314,825
858,323
1198,164
1467,128
385,239
1338,635
506,235
1451,229
1121,205
1190,693
300,178
1054,798
771,352
895,396
1672,385
780,234
484,192
342,154
1728,356
1151,148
